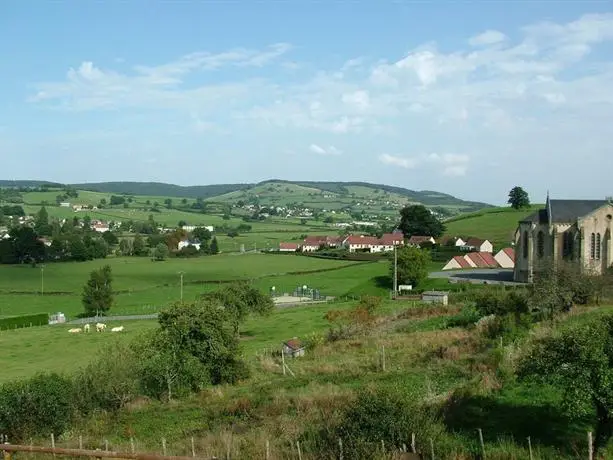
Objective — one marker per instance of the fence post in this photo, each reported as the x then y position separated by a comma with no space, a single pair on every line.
481,442
106,445
81,441
193,448
432,448
164,446
132,446
53,443
530,447
340,447
299,452
590,446
413,443
267,449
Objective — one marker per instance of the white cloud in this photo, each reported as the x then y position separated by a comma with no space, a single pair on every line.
489,37
329,150
402,162
452,164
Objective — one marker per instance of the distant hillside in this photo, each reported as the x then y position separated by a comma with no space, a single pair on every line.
28,183
161,189
497,224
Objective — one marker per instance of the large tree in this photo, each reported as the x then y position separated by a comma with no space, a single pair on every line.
579,360
98,292
518,198
418,220
412,265
26,245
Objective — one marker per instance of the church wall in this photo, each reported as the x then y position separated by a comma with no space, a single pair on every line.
598,222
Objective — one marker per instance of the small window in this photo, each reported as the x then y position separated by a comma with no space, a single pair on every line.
525,245
593,246
540,244
598,246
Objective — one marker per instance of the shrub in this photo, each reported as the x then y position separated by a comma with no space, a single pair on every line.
14,322
467,317
38,406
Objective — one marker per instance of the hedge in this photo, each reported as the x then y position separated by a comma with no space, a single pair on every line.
14,322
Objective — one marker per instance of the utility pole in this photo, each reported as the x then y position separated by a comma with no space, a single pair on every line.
395,272
181,274
42,280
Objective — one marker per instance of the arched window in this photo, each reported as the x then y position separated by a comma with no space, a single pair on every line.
525,245
593,246
568,246
598,246
540,244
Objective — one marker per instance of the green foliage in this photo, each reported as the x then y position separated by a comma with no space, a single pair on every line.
418,220
98,292
206,330
518,198
214,247
412,265
110,238
138,246
160,252
579,360
36,407
15,322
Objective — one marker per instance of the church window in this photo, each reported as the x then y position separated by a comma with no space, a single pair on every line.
593,246
568,246
525,245
540,244
598,246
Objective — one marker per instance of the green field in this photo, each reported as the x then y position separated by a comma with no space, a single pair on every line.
497,225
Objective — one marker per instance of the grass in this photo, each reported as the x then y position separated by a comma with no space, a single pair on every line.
497,225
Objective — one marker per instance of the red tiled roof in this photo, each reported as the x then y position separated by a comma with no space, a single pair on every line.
462,262
315,240
361,239
415,239
477,259
289,246
294,344
474,242
389,239
509,252
488,259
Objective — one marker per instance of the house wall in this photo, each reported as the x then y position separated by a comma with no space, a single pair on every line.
487,247
599,222
504,260
452,265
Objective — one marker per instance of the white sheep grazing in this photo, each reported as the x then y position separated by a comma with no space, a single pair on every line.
74,330
117,329
100,327
86,328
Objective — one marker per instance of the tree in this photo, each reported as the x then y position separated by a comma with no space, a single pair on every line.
160,252
41,222
214,247
110,238
125,247
26,245
117,200
578,360
518,198
78,250
98,292
202,234
417,220
138,246
168,203
412,265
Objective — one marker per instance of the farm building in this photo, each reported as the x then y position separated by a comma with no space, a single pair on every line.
440,297
185,243
506,258
457,263
288,247
417,241
478,245
293,348
473,260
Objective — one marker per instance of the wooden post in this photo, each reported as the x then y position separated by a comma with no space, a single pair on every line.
481,442
383,447
590,446
340,448
53,443
413,443
164,446
229,447
132,446
193,448
383,356
283,360
530,447
432,448
299,452
106,445
267,449
81,442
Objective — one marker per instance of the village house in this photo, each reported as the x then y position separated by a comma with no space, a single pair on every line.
571,230
417,241
362,243
478,245
293,348
100,227
289,247
505,258
472,260
185,243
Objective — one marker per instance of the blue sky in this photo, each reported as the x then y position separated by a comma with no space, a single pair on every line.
468,98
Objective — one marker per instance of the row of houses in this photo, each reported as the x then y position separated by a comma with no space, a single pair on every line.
353,243
505,258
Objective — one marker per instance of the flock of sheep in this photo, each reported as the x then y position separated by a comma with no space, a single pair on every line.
99,328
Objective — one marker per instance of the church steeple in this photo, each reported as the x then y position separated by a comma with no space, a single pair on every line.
548,209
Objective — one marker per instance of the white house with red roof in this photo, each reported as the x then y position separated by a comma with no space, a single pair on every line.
100,227
478,245
417,240
289,247
364,243
506,258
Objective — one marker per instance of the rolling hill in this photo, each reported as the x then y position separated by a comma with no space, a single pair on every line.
274,191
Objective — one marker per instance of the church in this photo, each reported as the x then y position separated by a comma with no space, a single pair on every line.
573,230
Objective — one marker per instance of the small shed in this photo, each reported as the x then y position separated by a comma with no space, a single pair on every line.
440,297
293,348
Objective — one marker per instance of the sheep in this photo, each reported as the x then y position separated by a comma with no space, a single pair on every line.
74,330
86,328
100,327
117,329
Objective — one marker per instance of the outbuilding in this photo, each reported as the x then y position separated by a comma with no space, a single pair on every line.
439,297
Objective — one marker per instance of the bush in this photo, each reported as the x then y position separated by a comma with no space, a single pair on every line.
14,322
38,406
467,317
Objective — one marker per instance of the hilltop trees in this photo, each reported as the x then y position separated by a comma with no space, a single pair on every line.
418,220
518,198
98,292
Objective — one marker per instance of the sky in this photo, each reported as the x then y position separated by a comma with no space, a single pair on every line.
464,97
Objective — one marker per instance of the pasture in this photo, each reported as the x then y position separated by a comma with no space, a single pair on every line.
497,225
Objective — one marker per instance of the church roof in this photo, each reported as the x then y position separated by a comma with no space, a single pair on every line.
564,211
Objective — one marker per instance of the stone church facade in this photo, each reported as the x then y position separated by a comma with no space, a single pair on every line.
572,230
